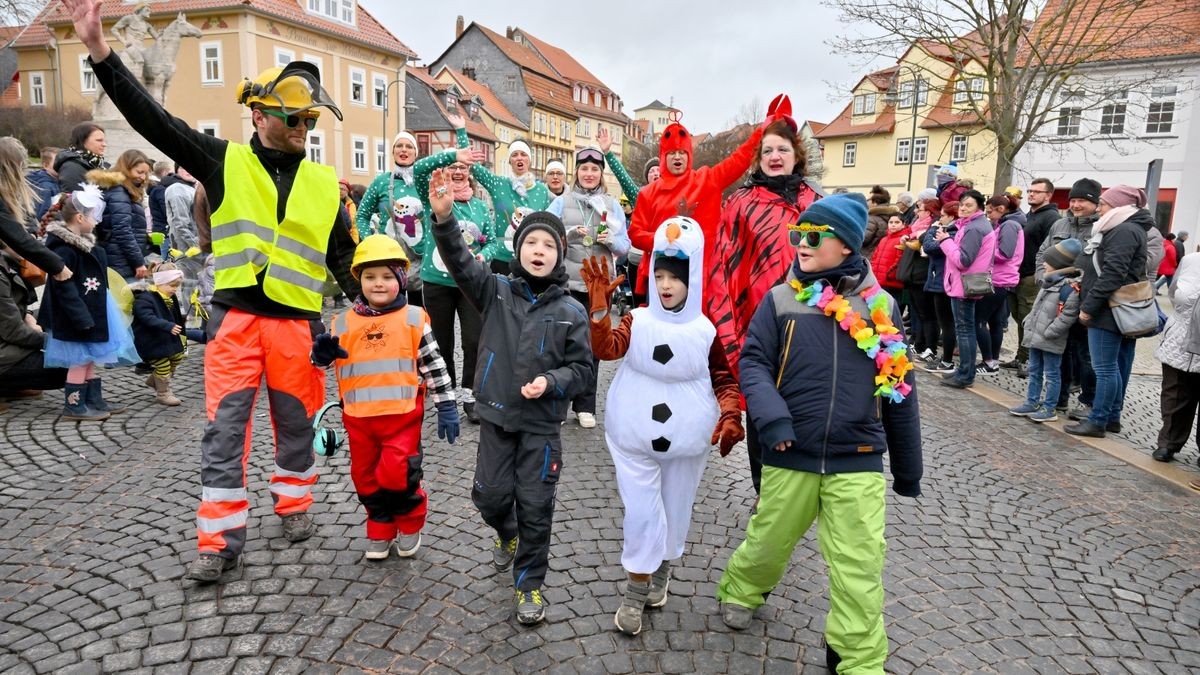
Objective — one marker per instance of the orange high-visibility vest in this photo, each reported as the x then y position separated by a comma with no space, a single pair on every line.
380,376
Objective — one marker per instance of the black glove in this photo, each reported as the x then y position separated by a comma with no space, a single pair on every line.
326,349
447,423
906,488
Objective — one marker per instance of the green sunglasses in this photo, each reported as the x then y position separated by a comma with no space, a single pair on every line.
810,238
293,121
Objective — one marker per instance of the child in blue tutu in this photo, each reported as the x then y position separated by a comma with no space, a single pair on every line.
83,323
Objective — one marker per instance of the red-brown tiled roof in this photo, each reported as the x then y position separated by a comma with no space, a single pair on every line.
882,79
564,63
549,92
841,126
943,113
37,35
368,31
9,32
491,103
816,127
1149,30
521,55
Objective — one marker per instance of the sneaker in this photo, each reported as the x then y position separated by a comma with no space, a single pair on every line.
1113,427
1044,415
628,618
586,420
407,544
926,355
378,549
298,527
1025,409
984,368
942,367
1085,428
1164,455
209,566
531,607
503,553
659,582
1080,412
735,616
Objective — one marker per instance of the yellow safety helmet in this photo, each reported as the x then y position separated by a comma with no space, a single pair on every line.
293,89
377,248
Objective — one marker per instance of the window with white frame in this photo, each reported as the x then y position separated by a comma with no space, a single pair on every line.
587,128
1068,121
920,150
87,79
596,98
379,90
316,147
284,56
566,130
510,84
37,89
958,148
864,104
849,154
1160,115
210,127
906,94
210,59
903,151
337,10
922,91
380,155
976,88
358,154
358,86
968,89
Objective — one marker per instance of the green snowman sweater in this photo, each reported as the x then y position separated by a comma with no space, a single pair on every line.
628,186
506,199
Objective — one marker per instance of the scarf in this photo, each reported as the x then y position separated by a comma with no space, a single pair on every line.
93,160
522,184
855,265
361,307
1106,222
404,173
462,193
786,186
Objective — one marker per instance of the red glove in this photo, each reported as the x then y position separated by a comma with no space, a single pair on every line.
729,432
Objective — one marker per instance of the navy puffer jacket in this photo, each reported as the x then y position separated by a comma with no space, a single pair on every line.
122,231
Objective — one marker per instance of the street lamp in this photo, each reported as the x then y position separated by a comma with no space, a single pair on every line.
409,105
893,96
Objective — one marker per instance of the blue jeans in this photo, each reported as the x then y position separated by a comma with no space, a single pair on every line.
1112,361
1044,364
964,332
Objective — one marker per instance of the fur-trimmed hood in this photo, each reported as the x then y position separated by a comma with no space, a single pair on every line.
887,210
83,242
105,179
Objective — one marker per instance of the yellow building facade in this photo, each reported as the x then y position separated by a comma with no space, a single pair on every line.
364,76
918,114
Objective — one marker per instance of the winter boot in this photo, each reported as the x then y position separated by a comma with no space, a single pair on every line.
162,391
75,407
629,615
95,398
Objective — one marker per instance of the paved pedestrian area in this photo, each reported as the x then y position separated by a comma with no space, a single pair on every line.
1028,552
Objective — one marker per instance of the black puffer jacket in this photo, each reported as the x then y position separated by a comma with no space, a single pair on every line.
122,231
1121,257
72,170
523,336
152,324
76,310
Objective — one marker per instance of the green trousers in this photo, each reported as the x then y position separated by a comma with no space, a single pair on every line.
849,509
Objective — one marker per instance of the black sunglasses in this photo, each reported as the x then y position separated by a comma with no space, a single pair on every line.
293,121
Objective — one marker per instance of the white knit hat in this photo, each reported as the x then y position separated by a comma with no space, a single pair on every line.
405,136
552,165
519,146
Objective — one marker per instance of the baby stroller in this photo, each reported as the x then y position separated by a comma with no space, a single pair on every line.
622,300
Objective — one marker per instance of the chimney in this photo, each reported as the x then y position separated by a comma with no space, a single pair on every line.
508,32
458,27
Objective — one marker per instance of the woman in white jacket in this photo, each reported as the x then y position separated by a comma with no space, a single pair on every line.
1179,351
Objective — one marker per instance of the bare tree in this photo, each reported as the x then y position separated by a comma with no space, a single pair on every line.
19,12
1035,55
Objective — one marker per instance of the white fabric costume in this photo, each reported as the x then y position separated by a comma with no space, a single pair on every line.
661,410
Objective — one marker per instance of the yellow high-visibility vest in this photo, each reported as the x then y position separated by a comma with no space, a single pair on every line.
247,236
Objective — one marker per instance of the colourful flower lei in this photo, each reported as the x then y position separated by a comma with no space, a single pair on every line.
882,342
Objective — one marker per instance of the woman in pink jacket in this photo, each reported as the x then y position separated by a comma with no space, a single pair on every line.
969,251
991,315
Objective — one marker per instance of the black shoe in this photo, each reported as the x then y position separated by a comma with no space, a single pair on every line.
831,658
143,369
1023,371
298,527
1113,427
469,411
949,380
1164,455
1085,428
1011,365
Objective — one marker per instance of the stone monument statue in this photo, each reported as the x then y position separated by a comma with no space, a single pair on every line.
152,64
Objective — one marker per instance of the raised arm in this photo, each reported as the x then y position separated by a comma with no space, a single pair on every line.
728,170
471,275
628,186
369,205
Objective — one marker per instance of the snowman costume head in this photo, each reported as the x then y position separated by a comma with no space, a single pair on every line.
679,239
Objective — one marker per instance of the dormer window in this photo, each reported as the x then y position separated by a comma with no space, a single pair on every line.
335,10
451,101
864,104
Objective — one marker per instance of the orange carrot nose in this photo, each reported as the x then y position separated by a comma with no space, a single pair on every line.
673,232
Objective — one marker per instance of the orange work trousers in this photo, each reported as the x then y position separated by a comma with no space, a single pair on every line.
243,348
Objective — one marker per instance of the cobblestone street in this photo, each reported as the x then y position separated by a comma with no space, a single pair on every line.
1028,552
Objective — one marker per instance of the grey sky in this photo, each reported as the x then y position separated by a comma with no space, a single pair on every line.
713,56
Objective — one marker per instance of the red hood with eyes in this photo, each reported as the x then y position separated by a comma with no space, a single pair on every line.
674,137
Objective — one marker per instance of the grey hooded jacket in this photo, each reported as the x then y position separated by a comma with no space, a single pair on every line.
1046,325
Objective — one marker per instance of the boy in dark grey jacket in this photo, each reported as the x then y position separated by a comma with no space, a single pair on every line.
1046,328
829,387
535,355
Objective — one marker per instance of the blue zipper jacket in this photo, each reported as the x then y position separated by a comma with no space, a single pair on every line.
805,380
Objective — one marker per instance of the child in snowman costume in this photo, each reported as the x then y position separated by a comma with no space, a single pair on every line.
672,399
